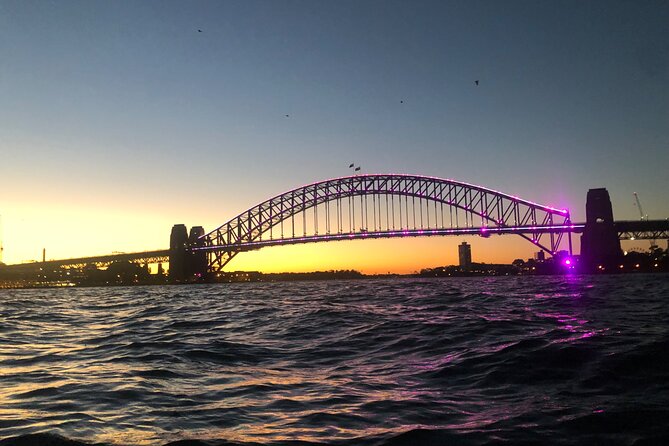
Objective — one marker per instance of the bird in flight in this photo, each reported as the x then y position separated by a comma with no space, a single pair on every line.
350,165
287,116
199,30
401,102
476,82
357,168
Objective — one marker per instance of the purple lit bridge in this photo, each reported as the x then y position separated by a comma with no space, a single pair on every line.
379,206
382,206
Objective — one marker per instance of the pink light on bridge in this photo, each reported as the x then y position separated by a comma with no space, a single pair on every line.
569,263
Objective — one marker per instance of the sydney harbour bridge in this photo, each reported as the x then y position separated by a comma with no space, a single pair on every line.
387,206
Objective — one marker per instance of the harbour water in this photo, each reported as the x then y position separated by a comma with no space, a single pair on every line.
509,360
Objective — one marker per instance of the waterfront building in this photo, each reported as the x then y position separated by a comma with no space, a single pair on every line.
465,255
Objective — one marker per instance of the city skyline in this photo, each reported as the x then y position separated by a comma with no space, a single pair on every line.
122,120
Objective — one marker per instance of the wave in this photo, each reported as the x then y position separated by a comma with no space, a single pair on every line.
527,360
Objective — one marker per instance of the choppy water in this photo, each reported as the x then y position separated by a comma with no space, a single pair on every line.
560,360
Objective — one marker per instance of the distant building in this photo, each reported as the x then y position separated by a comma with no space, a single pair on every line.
465,254
539,256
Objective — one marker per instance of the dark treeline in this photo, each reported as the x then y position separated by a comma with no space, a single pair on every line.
255,276
129,273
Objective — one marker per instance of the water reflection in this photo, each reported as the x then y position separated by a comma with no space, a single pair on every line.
324,361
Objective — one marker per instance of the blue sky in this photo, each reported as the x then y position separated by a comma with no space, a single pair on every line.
122,116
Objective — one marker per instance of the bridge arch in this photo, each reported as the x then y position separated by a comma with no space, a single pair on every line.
484,211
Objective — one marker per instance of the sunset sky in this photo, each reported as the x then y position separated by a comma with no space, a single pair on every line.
120,119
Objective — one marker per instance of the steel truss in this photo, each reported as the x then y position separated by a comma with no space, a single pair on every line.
104,261
642,230
643,235
374,206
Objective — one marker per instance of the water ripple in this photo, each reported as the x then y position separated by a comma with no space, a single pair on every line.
563,360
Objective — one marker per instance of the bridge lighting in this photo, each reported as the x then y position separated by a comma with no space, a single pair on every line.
246,232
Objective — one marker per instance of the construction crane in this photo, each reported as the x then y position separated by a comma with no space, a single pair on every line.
644,217
638,204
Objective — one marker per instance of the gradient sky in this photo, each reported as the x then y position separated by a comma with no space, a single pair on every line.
119,119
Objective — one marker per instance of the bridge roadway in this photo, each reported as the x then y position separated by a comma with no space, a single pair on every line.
526,231
142,257
626,229
642,230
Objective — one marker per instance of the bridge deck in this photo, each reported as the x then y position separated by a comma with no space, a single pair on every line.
149,256
642,225
642,229
480,231
627,230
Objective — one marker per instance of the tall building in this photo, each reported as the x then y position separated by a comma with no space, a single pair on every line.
465,254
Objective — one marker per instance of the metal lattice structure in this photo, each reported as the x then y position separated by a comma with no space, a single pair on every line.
642,230
381,206
142,258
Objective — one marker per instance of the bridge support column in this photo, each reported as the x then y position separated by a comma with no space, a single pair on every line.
600,246
187,265
178,243
196,261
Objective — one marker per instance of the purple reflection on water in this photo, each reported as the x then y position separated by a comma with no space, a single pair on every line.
508,327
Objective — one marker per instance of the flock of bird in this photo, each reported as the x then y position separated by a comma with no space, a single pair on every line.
352,165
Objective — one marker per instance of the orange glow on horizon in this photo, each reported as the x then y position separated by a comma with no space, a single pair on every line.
88,228
82,233
75,228
379,256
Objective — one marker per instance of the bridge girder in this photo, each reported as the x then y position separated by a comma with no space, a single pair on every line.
99,261
492,210
644,235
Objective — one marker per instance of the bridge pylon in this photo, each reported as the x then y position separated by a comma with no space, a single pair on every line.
187,265
600,245
196,261
178,243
